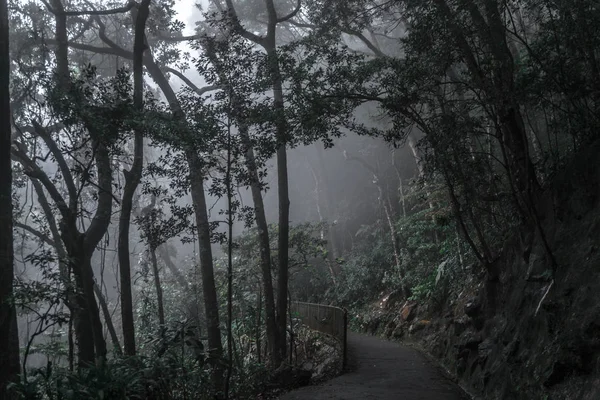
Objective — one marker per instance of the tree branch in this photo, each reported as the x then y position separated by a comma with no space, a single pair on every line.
101,219
42,236
292,14
239,28
34,171
61,11
196,89
62,163
376,51
178,38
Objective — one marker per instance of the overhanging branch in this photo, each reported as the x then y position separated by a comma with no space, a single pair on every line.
187,81
119,10
292,14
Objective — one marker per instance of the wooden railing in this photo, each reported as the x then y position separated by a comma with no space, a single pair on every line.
326,319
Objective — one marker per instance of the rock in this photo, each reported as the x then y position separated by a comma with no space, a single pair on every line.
323,368
558,373
485,349
398,333
592,392
389,329
473,307
460,325
418,326
407,313
308,366
469,340
391,298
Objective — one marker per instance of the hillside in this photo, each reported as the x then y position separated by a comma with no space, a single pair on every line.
540,338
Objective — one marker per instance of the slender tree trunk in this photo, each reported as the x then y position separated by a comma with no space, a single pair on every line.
166,257
265,248
211,304
108,319
330,257
391,220
284,202
269,44
132,180
9,339
258,324
230,221
158,287
325,202
196,167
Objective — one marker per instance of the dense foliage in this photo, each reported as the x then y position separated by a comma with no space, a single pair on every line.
173,192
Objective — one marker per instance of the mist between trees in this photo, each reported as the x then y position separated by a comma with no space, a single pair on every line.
176,183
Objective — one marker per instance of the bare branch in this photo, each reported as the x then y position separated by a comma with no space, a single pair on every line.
367,42
200,91
32,170
292,14
239,28
42,236
178,38
375,49
62,163
119,10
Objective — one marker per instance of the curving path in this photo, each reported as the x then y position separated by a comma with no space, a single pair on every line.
383,370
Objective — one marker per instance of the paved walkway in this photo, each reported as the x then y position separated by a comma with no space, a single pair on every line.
383,370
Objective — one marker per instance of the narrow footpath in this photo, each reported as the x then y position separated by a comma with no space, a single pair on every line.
383,370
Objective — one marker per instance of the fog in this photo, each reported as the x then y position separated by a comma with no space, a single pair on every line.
335,186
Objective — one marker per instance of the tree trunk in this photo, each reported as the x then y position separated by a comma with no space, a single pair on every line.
211,304
230,221
166,257
412,143
9,339
283,238
91,346
330,256
327,215
158,287
391,220
196,168
110,327
269,44
265,249
132,180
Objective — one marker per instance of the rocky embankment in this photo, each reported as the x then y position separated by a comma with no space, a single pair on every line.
534,333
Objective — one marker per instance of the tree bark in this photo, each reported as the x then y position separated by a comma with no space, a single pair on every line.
132,180
283,239
197,173
110,327
158,287
265,248
211,304
269,44
166,257
199,203
9,339
324,198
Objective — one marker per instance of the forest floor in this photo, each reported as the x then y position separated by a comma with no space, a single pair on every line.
382,370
